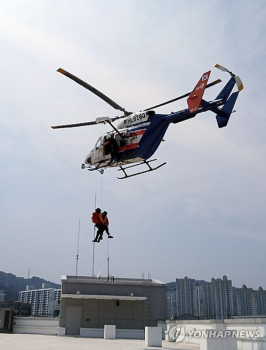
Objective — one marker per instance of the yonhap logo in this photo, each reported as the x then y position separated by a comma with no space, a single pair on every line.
213,333
177,334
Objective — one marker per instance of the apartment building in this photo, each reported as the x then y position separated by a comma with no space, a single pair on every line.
186,297
251,302
209,300
44,301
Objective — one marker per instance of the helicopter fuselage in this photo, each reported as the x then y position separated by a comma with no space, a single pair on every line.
137,137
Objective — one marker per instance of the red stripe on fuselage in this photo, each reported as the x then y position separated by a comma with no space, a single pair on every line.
132,145
136,133
127,147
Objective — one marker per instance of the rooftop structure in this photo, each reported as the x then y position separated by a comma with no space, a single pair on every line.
90,302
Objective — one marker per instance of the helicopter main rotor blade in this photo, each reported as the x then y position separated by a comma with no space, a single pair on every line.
100,120
183,96
92,89
72,125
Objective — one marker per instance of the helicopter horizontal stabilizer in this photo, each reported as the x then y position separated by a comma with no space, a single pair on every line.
223,116
194,99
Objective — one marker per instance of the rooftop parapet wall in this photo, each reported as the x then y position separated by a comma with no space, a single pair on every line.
124,281
101,286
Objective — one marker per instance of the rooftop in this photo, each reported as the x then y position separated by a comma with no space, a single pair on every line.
124,281
46,342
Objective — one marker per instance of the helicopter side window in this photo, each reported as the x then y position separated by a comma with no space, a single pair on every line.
107,146
98,143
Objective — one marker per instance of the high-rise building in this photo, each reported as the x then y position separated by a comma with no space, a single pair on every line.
208,300
221,300
186,297
261,301
171,303
246,301
251,302
215,299
207,304
44,302
200,297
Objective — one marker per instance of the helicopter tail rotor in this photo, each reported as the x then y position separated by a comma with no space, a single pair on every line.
237,78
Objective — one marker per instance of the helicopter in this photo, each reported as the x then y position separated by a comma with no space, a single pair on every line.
138,134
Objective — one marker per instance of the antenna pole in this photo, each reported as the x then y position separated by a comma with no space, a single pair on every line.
77,257
93,247
108,260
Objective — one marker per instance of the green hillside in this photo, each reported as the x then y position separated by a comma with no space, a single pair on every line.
12,284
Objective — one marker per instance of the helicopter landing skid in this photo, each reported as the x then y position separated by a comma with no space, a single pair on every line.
90,168
141,172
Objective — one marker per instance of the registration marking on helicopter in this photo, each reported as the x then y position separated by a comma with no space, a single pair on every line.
136,118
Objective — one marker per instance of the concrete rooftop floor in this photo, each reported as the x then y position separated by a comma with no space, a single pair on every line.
47,342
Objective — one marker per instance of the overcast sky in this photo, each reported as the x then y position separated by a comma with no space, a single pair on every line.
202,215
